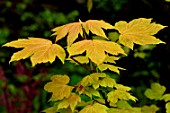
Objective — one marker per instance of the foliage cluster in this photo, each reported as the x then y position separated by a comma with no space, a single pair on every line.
88,46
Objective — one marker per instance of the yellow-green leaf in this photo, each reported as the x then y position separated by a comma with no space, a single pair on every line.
156,92
89,5
81,59
121,93
58,87
166,97
90,91
95,49
167,106
111,59
103,67
108,82
72,30
149,109
50,110
139,31
92,78
95,108
39,50
71,102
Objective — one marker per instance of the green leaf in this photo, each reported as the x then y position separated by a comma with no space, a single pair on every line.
149,109
95,108
168,107
40,50
139,31
95,49
58,87
156,92
71,102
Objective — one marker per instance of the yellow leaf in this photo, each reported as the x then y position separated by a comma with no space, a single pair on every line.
95,108
95,49
104,67
81,59
150,109
74,29
111,59
138,31
39,50
71,102
95,26
58,87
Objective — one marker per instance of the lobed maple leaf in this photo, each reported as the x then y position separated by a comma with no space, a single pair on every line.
167,106
121,92
156,92
139,31
90,91
58,87
71,102
108,82
95,49
72,30
95,108
39,50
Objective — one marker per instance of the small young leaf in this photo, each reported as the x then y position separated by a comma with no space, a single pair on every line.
40,50
138,31
58,87
89,5
168,107
103,67
111,59
90,91
95,108
149,109
71,102
108,82
156,92
95,49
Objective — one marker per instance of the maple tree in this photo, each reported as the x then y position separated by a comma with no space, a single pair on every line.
104,94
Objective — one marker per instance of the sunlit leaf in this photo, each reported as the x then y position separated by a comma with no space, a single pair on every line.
39,50
50,110
167,107
95,49
103,67
81,59
149,109
156,92
95,108
111,59
58,87
139,31
71,102
95,26
72,30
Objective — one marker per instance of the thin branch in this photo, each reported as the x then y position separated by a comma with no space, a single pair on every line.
85,67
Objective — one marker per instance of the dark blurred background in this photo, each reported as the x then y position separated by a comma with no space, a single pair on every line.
21,86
